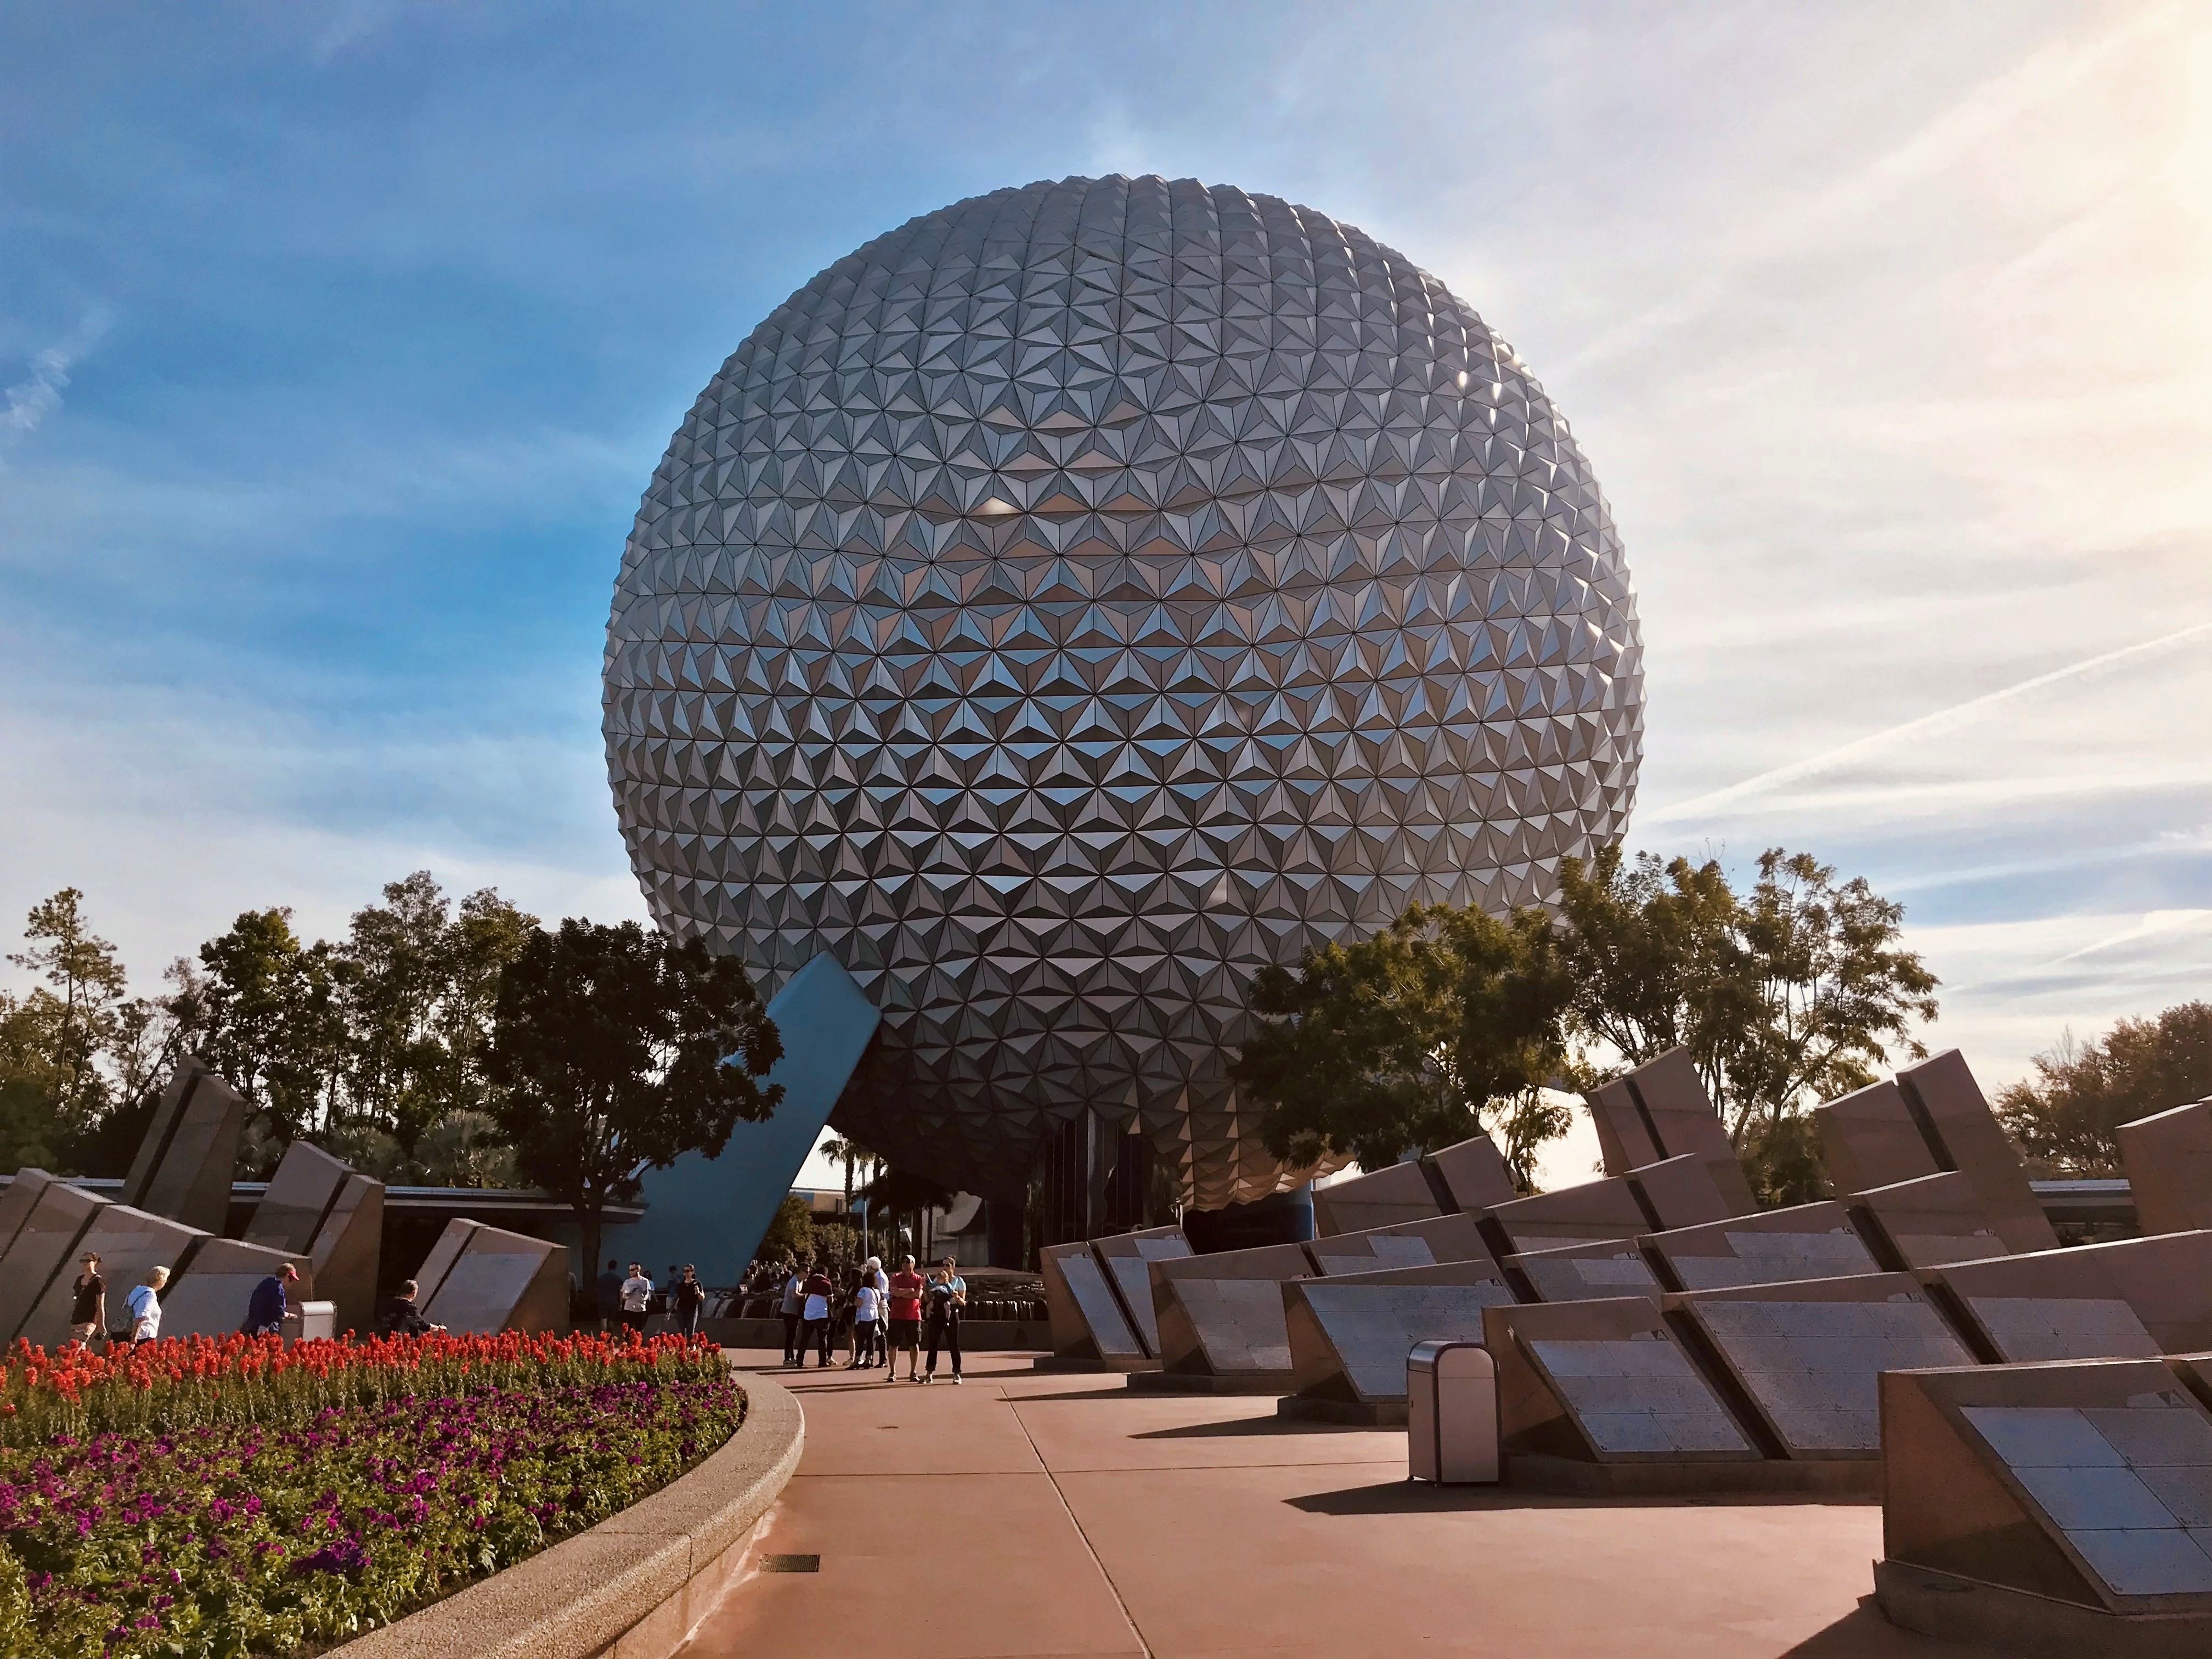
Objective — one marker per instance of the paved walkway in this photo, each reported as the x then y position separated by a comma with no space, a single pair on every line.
1054,1515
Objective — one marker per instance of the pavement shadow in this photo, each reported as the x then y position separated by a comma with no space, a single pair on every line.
1074,1393
1865,1633
1243,1425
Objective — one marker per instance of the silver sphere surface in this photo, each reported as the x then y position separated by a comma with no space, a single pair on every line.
1082,596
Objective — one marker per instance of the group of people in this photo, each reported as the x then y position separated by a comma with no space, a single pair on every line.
879,1315
635,1299
268,1308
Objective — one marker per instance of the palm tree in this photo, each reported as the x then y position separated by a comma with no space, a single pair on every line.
851,1155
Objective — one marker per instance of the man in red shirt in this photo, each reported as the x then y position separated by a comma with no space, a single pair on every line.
905,1323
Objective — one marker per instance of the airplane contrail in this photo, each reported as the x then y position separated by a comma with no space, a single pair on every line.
1942,719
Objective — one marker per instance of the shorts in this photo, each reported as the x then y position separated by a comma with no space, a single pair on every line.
906,1335
86,1331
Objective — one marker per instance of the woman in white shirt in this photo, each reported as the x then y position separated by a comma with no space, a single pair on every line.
145,1305
867,1318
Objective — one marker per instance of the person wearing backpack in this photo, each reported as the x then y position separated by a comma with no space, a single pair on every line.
941,1303
794,1301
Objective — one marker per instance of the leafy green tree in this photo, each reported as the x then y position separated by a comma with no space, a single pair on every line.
1408,1039
2067,1114
614,1049
418,986
1789,993
263,1011
84,988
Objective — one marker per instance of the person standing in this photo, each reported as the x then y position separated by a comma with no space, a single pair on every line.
867,1314
266,1310
794,1301
686,1302
145,1305
88,1303
946,1295
903,1326
814,1314
876,1276
637,1299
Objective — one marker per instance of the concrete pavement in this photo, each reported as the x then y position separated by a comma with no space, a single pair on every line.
1048,1516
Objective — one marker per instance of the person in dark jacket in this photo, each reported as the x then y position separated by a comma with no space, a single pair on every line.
266,1310
402,1318
687,1300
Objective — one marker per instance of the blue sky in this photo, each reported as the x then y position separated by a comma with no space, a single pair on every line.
336,344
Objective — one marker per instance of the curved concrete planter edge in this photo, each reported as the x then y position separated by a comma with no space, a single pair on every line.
633,1586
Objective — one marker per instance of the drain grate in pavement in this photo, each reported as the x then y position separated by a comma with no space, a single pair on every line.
791,1564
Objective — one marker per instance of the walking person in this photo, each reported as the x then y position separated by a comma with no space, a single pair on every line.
145,1305
88,1303
637,1299
794,1301
946,1295
266,1310
903,1325
814,1314
686,1302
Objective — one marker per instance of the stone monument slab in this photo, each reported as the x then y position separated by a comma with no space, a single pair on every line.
45,1245
1949,1107
1474,1171
482,1280
1222,1315
1605,1382
1807,1355
1607,1209
2168,1157
2014,1494
1349,1336
1088,1324
1596,1270
332,1216
1807,1241
1410,1244
1681,1192
1381,1198
1926,1222
1869,1138
1660,1110
1127,1260
184,1166
2075,1303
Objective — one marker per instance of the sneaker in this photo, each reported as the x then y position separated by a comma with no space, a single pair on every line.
956,1379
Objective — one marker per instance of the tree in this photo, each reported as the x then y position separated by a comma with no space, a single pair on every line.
419,986
263,1010
614,1049
849,1153
1790,994
1403,1041
790,1235
2068,1112
87,985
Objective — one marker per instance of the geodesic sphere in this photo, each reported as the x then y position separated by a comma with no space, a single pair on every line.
1082,596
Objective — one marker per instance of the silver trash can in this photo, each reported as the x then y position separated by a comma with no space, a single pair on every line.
317,1319
1451,1414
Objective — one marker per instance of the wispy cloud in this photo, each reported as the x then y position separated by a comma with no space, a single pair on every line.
34,398
1942,720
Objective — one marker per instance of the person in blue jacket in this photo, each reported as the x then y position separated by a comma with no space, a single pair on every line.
266,1312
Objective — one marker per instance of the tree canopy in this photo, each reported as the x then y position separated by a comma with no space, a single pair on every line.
613,1050
1410,1039
2068,1112
1789,992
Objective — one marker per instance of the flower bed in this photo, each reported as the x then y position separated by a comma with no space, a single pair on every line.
201,1499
